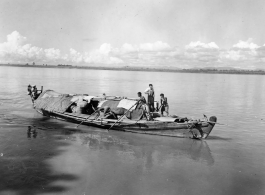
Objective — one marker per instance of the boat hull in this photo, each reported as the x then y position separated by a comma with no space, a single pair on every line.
173,129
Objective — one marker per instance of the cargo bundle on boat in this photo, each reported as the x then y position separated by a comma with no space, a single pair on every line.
117,113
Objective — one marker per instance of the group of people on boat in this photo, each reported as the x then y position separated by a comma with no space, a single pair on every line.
149,104
33,92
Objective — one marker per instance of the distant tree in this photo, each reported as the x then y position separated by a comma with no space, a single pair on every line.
33,63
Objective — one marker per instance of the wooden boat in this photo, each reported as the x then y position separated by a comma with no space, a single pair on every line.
60,106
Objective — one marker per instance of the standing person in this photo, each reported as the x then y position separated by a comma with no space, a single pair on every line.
164,104
104,96
150,98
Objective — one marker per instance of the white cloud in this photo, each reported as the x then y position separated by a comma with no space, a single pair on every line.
232,55
128,48
14,40
15,50
200,45
242,51
246,44
202,53
102,55
52,54
75,56
195,54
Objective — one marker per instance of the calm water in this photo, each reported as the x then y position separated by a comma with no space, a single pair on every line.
39,155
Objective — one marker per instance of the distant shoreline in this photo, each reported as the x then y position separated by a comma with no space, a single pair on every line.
204,70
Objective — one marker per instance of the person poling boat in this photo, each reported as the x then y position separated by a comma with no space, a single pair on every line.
164,104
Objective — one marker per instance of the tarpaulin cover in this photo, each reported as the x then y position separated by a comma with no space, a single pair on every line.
119,111
52,101
124,103
109,103
127,104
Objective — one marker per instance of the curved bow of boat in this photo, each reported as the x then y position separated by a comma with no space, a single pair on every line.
207,130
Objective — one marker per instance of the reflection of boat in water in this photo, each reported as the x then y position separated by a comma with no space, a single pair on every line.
148,147
124,115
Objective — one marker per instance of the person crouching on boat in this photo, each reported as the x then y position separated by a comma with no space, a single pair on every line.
150,98
142,105
164,104
142,102
35,93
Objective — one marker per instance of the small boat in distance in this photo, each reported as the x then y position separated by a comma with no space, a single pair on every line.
117,113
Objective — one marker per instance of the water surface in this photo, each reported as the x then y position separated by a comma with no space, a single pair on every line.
39,155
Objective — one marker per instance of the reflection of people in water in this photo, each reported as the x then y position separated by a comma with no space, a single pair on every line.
31,132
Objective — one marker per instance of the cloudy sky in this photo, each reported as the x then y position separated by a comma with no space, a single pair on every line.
168,33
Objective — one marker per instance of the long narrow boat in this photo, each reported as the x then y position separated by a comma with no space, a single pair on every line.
131,119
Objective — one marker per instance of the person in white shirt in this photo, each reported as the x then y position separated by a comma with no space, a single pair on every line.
150,98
